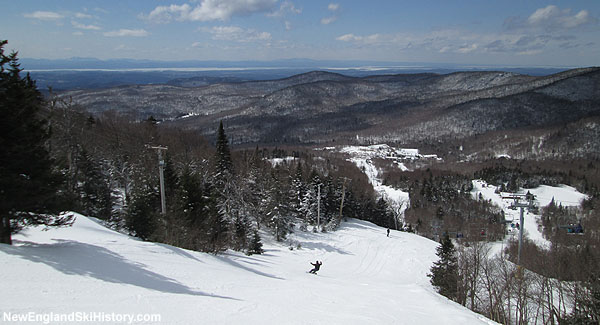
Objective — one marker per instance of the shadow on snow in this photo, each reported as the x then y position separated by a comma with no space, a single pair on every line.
76,258
228,259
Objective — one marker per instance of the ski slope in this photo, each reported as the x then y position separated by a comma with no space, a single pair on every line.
366,278
565,195
363,156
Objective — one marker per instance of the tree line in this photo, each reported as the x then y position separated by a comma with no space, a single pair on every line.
217,198
559,284
104,166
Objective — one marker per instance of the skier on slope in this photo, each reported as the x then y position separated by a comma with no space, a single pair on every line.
317,266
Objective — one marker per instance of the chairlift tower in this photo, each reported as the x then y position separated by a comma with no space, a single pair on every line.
319,207
343,195
161,168
530,198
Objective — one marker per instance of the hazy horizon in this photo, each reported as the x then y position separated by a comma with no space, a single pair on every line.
506,33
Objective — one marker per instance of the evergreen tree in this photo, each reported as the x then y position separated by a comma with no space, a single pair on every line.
29,188
224,224
142,210
331,201
220,225
255,244
278,210
380,214
234,216
444,272
351,205
187,209
310,202
254,183
95,194
223,162
192,199
296,192
171,178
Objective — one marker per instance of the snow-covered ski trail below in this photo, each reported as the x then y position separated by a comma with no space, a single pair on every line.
366,278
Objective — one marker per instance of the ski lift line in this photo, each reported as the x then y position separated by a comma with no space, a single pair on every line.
559,201
529,198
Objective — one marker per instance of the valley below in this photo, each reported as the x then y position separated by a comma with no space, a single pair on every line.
463,115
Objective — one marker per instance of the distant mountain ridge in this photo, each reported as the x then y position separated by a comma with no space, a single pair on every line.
91,73
316,107
95,63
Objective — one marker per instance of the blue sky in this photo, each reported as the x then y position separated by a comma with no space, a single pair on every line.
483,32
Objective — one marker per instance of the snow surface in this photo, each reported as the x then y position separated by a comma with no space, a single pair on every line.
565,195
366,278
362,157
278,161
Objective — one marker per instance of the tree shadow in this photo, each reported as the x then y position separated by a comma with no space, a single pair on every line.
311,240
322,246
228,260
76,258
179,251
358,224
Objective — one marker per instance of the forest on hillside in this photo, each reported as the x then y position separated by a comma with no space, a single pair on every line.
60,157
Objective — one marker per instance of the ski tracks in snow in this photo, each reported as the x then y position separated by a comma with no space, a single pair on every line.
375,257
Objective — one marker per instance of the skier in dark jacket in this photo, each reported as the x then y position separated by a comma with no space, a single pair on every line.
317,266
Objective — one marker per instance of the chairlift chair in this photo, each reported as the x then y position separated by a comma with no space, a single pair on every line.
573,229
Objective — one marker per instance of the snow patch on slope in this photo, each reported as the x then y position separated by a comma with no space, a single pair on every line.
279,161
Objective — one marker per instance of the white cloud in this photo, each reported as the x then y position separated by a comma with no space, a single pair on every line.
334,7
467,48
167,13
465,42
287,7
127,32
348,38
369,39
44,15
581,18
553,17
83,26
209,10
237,34
81,15
78,33
544,14
529,52
445,49
328,20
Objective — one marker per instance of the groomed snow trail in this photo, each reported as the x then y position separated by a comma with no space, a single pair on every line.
362,157
366,278
564,195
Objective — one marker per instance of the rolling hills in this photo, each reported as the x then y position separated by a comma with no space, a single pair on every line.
427,110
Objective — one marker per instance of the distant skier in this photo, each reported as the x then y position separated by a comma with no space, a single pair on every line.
388,232
317,266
